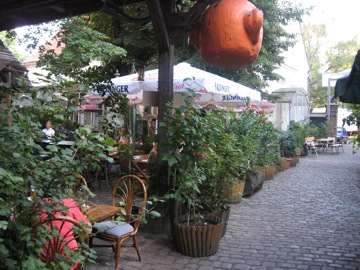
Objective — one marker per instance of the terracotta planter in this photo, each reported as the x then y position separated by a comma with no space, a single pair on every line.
269,172
198,240
234,195
285,163
293,162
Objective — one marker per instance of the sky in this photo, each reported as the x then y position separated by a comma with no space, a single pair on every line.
340,17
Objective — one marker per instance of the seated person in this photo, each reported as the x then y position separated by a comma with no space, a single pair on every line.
152,168
49,133
152,159
69,208
124,137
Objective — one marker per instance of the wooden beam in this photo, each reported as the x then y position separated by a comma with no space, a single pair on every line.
159,24
189,19
14,13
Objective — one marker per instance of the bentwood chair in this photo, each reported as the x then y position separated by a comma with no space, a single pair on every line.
61,239
130,193
80,184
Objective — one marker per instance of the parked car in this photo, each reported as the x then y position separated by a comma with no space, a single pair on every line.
341,134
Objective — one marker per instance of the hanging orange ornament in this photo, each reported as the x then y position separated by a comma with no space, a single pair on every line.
229,34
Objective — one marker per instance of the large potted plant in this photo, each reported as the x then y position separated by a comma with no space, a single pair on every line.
269,151
248,127
287,147
199,161
225,166
299,130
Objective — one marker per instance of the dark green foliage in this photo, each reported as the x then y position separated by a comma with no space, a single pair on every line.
211,150
22,167
287,144
299,130
318,131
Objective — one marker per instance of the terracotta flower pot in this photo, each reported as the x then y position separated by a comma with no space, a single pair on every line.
293,162
285,163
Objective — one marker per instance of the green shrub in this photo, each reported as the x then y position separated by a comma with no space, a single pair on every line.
22,167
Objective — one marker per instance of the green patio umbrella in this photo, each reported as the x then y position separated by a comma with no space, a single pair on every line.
348,88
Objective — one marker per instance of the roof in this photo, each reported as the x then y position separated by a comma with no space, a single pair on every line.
288,94
9,64
15,13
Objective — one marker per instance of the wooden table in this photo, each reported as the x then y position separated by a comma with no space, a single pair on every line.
324,143
100,212
325,140
142,161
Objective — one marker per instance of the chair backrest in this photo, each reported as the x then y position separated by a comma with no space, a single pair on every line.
80,187
333,139
81,182
131,193
65,240
308,139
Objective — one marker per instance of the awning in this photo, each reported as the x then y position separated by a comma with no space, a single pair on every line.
208,86
348,88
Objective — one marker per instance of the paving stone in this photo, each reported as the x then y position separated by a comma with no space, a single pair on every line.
307,217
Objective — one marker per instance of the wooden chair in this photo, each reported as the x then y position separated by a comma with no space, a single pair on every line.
65,240
130,166
80,184
105,170
131,193
80,187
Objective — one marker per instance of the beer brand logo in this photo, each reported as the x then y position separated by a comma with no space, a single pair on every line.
233,98
222,88
122,88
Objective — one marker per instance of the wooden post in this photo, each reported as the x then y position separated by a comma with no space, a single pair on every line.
160,11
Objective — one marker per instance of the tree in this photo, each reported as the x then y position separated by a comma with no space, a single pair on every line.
138,40
341,56
10,40
337,58
314,37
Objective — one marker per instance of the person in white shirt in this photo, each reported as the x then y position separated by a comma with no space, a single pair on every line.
49,133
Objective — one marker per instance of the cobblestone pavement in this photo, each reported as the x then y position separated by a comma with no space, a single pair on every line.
307,217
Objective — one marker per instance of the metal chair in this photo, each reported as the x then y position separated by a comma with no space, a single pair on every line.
311,147
130,192
65,240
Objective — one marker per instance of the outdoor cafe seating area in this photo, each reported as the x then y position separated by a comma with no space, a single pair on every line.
327,145
113,222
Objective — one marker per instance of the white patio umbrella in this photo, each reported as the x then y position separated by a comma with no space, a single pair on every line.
212,88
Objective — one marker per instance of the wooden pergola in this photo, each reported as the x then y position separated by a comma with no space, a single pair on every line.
168,25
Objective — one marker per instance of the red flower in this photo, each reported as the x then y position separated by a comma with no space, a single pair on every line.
264,120
262,111
199,155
